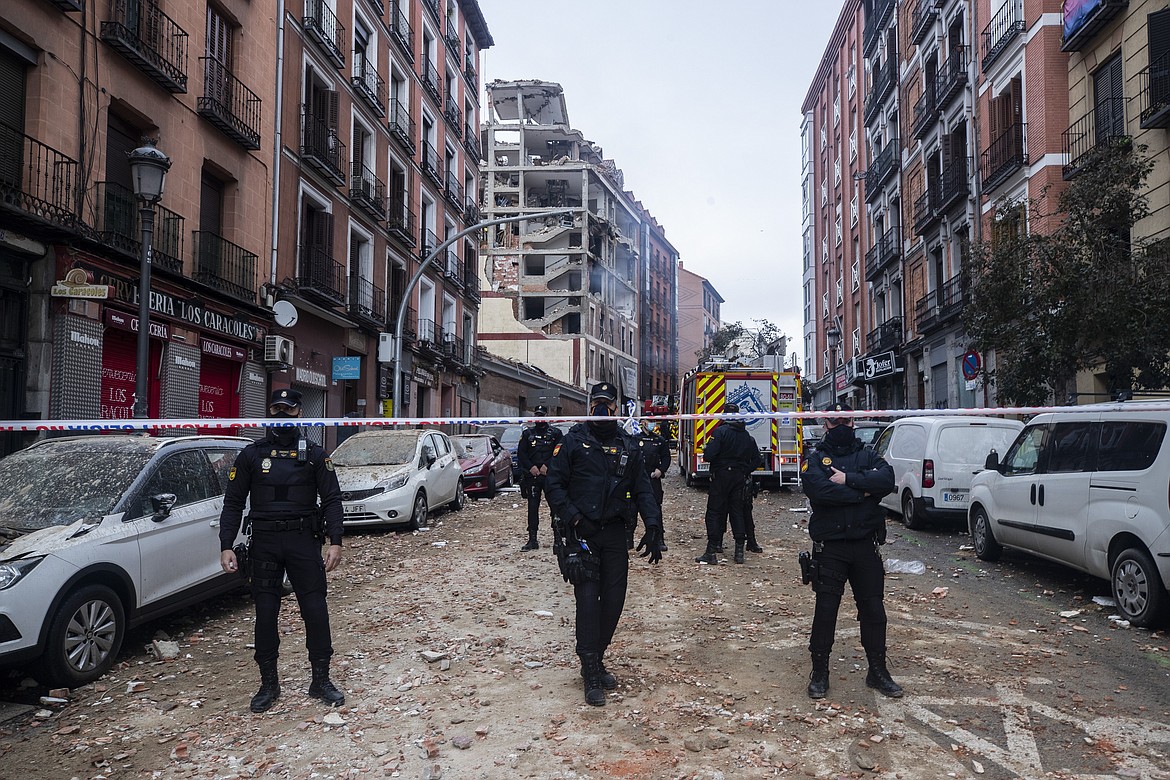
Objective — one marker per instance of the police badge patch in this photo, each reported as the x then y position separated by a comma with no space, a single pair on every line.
266,464
827,461
328,464
231,473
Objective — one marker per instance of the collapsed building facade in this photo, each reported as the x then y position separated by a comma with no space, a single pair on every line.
559,290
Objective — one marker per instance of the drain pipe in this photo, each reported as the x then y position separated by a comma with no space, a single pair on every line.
277,143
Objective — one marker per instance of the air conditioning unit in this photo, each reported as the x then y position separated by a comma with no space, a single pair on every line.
278,349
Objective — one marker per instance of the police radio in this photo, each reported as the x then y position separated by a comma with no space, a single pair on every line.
302,450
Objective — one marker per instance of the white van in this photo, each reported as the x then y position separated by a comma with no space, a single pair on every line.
934,459
1086,488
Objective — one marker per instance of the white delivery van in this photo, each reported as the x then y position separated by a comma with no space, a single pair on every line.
934,459
1086,488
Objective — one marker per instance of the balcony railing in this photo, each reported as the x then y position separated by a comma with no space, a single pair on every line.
320,277
229,105
922,19
367,191
118,227
38,184
885,337
471,142
223,266
322,27
430,81
1004,27
939,306
409,322
469,71
429,242
874,25
143,34
400,29
453,269
925,112
454,191
321,148
951,78
367,301
431,165
925,208
1105,124
1004,156
432,7
1101,14
884,165
471,213
426,331
400,219
453,116
1154,93
883,85
884,253
369,86
401,125
954,184
452,38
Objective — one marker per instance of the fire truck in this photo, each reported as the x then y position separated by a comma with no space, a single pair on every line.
660,405
754,389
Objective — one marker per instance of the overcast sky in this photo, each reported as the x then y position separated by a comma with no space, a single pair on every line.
699,105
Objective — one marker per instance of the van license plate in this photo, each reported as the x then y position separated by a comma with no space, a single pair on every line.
353,509
954,498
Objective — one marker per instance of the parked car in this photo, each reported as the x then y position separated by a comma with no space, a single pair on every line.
101,533
868,431
486,464
934,459
1086,489
395,477
510,439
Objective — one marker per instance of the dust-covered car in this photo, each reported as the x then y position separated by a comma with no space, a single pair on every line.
486,465
100,533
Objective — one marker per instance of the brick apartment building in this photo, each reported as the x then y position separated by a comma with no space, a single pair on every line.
657,315
698,318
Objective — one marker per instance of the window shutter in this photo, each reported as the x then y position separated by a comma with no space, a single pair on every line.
210,205
1159,32
334,109
12,79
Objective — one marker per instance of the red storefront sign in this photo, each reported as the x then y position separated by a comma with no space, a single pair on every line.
216,349
120,375
122,321
218,380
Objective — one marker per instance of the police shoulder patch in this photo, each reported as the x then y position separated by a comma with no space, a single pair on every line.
232,473
556,449
328,464
804,466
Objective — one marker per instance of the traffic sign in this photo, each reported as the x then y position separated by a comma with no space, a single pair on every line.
971,364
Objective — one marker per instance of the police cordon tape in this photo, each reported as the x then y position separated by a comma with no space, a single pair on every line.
194,424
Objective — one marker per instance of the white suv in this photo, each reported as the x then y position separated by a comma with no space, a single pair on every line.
100,533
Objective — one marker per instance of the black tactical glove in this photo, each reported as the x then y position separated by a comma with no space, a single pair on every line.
652,543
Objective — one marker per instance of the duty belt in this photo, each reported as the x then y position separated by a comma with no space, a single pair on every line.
296,524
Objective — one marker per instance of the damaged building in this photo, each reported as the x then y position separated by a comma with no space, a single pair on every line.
560,290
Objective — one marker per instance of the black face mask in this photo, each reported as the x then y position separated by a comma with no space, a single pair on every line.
839,436
603,429
284,435
540,426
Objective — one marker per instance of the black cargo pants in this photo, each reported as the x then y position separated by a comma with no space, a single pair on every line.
724,502
857,562
600,602
298,553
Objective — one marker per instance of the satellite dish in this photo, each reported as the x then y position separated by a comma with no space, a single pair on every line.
285,314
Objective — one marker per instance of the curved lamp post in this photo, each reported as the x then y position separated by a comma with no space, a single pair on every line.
148,168
833,337
398,322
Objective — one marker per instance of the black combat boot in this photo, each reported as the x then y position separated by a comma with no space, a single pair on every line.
269,687
719,546
879,678
591,674
608,681
753,545
708,556
532,543
322,687
739,552
818,681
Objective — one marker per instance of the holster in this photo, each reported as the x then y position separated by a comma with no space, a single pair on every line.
808,567
525,485
574,558
243,552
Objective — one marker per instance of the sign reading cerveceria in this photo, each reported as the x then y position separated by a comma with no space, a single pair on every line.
169,306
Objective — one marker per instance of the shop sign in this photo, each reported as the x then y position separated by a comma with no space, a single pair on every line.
224,351
880,365
116,319
76,284
424,376
307,376
347,368
20,243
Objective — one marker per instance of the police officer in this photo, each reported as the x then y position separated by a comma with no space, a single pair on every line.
656,462
533,453
283,474
732,455
595,483
844,481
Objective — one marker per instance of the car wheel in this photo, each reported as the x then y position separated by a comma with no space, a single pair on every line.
1138,589
460,497
418,514
84,638
491,486
981,536
911,517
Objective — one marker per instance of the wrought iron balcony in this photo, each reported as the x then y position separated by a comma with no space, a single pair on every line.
471,213
883,85
939,306
429,242
1101,14
885,337
453,268
925,208
954,185
223,266
925,112
400,29
320,277
884,165
426,331
471,279
1004,27
117,226
951,77
432,7
922,19
454,191
883,254
400,219
367,301
321,148
38,184
323,28
430,81
882,9
471,142
453,116
1102,126
431,165
229,105
409,321
368,85
1004,156
452,38
1154,93
367,191
469,72
401,125
143,34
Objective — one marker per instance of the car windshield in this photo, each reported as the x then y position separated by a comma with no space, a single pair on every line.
511,436
61,483
867,434
380,448
471,446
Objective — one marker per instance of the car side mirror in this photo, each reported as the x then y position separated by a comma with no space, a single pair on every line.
162,505
992,462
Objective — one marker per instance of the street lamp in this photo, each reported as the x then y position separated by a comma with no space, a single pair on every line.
833,337
148,168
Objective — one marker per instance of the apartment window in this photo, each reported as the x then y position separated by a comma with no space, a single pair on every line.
1109,99
837,169
824,191
219,40
837,109
840,291
838,229
361,256
853,145
824,136
316,236
851,77
825,304
211,192
856,342
855,276
825,249
853,209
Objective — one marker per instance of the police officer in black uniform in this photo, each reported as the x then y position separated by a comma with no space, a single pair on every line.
595,483
533,453
732,455
844,481
656,462
284,473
